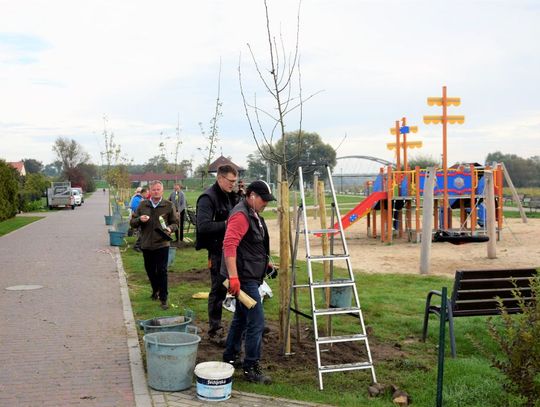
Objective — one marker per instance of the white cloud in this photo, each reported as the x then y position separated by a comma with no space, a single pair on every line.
67,63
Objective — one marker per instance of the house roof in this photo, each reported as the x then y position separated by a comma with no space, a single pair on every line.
19,166
221,160
151,176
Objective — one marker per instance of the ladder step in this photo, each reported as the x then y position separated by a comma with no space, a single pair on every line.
328,257
336,283
342,338
345,366
320,231
333,311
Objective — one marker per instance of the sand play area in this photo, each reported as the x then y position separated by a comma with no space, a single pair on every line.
519,246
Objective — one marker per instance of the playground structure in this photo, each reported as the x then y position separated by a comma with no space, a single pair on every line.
398,192
396,202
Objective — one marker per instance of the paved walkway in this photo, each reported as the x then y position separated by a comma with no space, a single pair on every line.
72,340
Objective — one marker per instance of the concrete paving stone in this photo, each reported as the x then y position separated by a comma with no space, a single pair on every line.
184,403
70,334
158,398
74,341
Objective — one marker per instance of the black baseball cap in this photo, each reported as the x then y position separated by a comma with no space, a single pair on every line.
262,189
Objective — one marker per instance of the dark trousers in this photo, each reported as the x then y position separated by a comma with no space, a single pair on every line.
155,264
250,321
137,244
218,292
180,230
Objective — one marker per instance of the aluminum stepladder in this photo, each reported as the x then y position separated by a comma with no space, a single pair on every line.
316,313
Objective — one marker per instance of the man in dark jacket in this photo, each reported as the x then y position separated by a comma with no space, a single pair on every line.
213,207
178,199
246,252
157,219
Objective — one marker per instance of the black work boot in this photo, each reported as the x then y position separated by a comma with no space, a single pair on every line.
235,361
255,374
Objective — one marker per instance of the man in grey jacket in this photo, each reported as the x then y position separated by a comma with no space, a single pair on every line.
179,202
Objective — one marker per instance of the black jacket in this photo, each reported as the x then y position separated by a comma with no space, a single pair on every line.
253,252
213,207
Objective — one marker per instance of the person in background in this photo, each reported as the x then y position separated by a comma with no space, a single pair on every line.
135,200
179,202
137,245
246,253
241,190
213,207
153,216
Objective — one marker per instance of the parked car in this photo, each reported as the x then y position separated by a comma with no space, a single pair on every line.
80,192
77,197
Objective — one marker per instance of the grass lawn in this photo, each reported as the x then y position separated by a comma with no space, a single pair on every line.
516,214
393,307
15,223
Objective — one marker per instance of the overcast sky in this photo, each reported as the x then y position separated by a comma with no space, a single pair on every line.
64,64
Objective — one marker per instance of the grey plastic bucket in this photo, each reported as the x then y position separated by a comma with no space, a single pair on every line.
147,326
170,359
340,297
108,220
214,380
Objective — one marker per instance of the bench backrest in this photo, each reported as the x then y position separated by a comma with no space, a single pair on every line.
475,291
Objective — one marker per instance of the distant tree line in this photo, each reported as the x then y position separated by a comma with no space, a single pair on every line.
525,172
305,149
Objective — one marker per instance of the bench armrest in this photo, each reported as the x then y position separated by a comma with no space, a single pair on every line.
434,292
431,309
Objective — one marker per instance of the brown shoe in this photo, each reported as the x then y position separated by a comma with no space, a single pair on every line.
164,304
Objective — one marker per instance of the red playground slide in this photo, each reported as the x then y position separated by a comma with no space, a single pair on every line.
361,209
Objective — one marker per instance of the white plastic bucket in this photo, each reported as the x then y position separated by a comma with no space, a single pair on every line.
214,380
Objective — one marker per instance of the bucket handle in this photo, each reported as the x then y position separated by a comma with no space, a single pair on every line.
192,328
188,313
156,342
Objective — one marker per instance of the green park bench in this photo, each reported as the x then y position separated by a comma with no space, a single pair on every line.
533,203
475,293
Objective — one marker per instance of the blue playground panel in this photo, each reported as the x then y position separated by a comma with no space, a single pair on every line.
459,183
403,190
378,184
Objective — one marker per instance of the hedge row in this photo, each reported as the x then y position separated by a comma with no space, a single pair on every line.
9,188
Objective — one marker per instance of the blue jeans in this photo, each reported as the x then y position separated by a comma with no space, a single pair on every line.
252,322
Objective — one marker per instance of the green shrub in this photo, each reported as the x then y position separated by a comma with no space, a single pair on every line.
29,201
518,337
9,187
